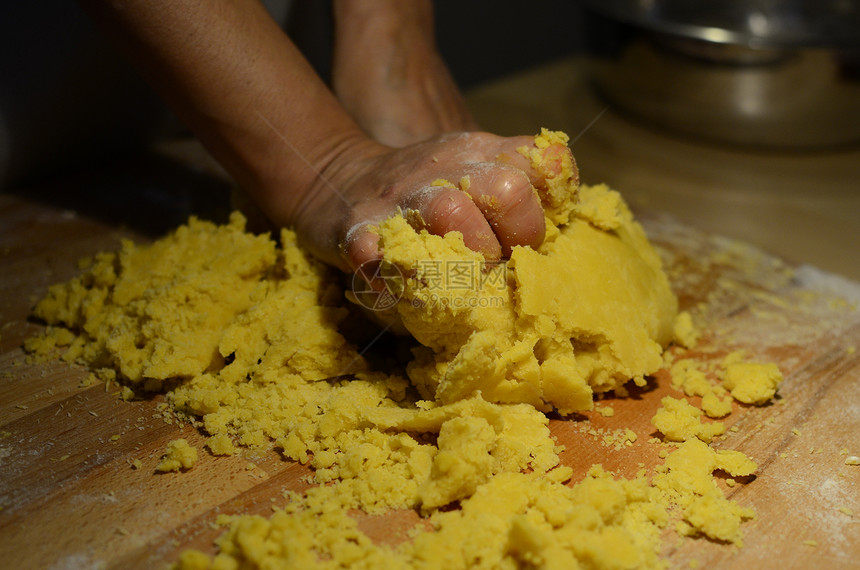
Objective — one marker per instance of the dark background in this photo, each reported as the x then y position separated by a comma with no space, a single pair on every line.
479,40
68,99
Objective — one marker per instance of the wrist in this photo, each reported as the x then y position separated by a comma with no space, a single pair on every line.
383,14
318,180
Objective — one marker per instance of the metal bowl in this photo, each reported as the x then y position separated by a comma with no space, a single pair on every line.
770,74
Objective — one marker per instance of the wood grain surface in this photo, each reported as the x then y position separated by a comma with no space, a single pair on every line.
71,498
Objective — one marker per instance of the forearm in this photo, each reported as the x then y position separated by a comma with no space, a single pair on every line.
238,82
389,75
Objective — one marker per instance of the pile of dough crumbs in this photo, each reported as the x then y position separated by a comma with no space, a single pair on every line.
244,334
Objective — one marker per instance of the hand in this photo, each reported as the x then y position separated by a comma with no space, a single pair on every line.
497,209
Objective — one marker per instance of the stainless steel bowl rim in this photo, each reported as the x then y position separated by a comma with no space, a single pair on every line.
753,23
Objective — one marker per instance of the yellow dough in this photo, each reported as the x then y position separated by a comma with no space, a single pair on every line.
244,335
178,456
751,382
677,420
588,311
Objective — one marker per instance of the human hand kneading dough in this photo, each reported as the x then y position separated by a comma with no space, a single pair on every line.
332,164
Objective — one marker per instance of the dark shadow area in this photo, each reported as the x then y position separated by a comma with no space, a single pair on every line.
482,41
738,479
574,417
146,192
635,392
68,97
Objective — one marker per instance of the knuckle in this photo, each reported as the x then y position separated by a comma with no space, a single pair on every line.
513,192
450,206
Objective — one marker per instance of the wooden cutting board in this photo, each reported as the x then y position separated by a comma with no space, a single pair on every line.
71,499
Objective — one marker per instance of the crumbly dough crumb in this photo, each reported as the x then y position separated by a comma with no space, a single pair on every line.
686,333
752,383
180,455
678,420
221,444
